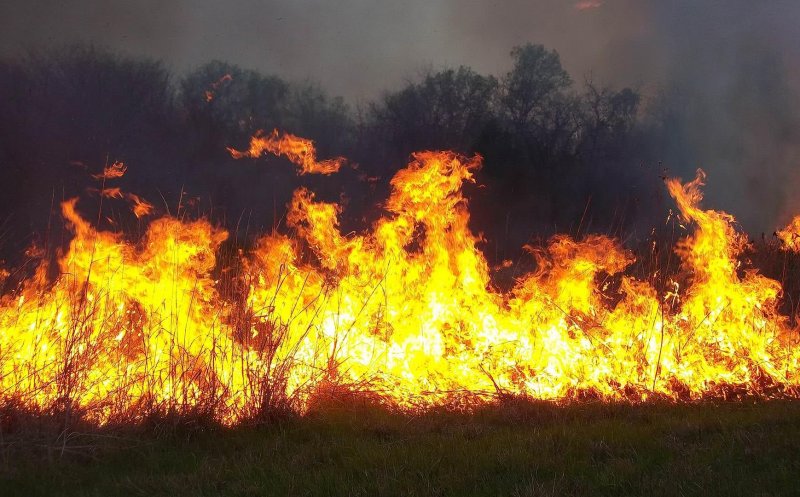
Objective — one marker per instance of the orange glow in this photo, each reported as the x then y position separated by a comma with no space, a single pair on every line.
405,310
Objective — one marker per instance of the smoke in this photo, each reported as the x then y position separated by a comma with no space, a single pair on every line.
729,70
736,65
732,67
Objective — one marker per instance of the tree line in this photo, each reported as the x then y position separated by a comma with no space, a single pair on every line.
559,154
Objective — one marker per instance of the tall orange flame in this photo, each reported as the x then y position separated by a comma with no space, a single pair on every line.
405,310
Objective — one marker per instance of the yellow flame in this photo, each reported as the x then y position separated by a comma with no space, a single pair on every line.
406,310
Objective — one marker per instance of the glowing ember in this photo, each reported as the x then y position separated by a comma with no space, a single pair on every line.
405,310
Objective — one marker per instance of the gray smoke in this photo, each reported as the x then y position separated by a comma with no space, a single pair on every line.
733,67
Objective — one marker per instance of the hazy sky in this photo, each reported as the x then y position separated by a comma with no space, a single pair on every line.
738,59
357,47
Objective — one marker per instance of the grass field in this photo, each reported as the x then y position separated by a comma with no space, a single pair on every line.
515,449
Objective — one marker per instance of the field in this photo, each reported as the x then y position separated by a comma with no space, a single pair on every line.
516,448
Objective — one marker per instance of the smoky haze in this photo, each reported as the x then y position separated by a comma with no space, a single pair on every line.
733,67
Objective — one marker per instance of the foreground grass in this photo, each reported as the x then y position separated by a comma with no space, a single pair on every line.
517,449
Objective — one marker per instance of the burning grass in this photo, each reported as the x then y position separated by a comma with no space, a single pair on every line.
405,311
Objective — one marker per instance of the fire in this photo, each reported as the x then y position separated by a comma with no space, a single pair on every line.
790,235
299,151
215,86
115,170
139,206
406,310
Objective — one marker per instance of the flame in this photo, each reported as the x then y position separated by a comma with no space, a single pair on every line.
115,170
110,192
790,235
139,206
299,151
405,310
212,90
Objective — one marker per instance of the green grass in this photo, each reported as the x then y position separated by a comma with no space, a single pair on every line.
517,449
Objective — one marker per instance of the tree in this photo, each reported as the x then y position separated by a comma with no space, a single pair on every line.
312,113
609,118
532,85
87,103
226,104
66,114
447,109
